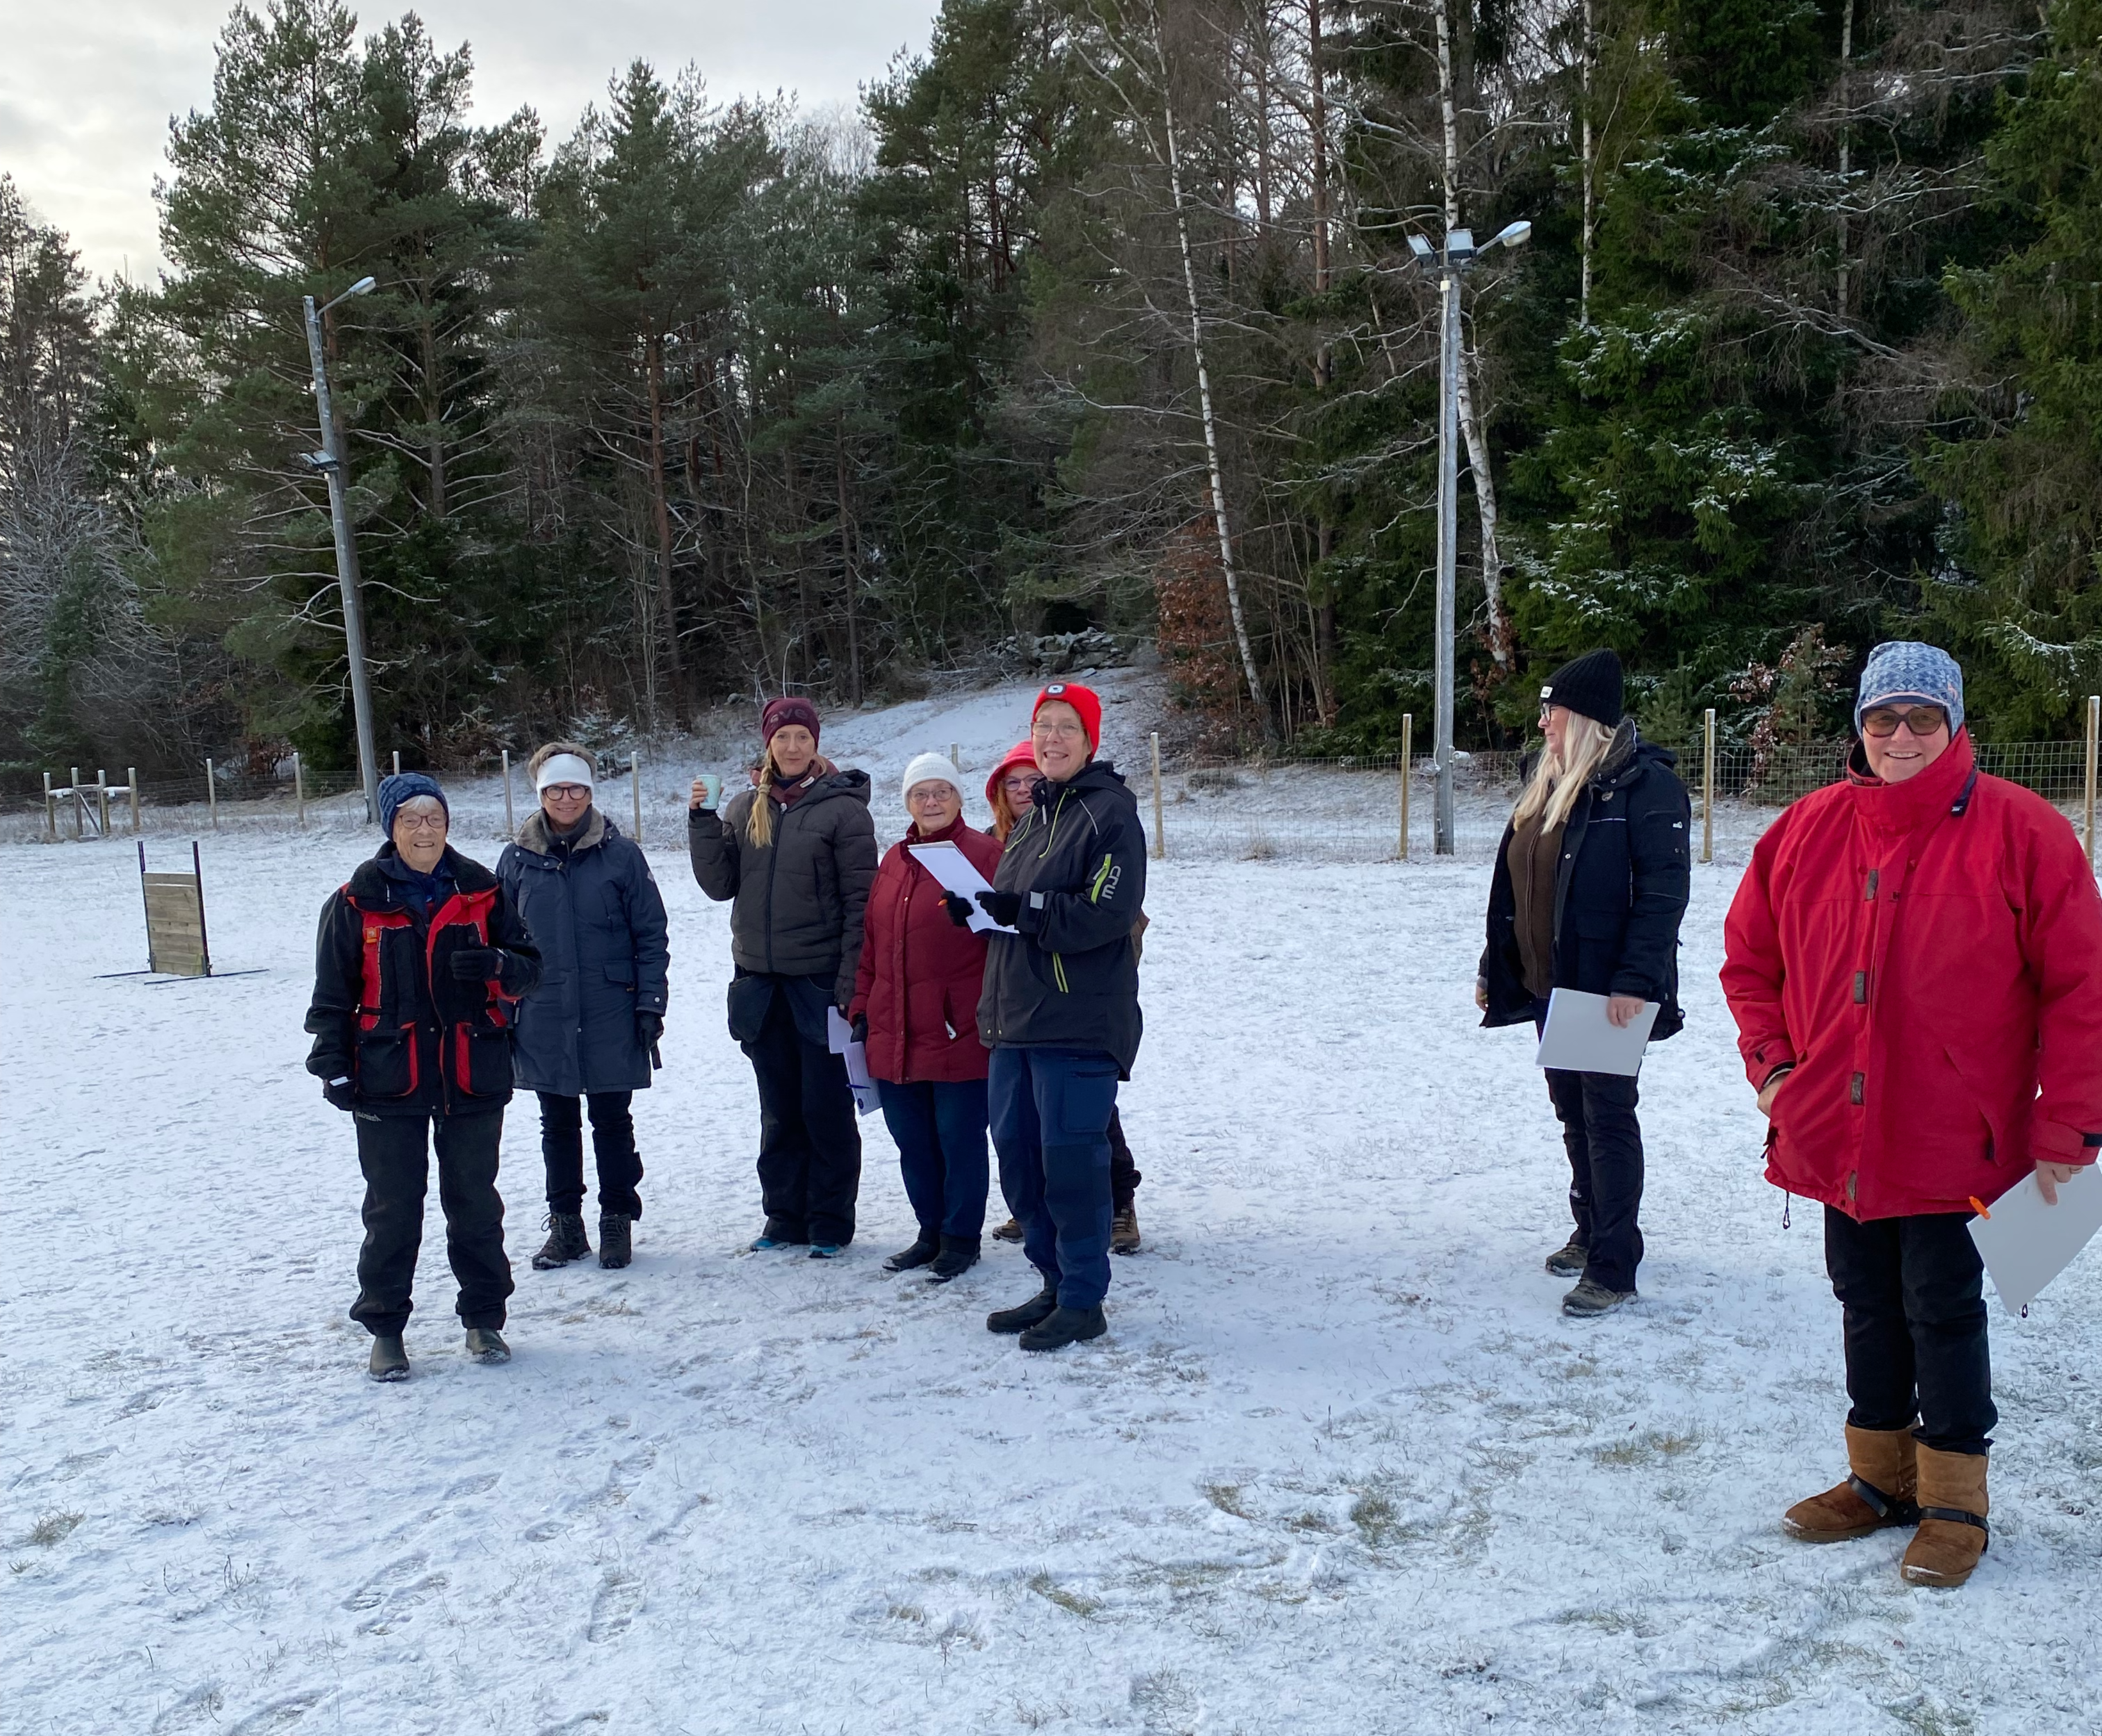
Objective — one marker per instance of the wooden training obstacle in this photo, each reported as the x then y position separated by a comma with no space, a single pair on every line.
175,942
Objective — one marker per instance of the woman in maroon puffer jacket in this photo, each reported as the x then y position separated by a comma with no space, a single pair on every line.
916,1005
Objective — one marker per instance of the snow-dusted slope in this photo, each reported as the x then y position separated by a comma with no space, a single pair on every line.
1339,1467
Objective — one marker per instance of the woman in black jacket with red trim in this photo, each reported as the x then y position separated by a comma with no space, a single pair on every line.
419,964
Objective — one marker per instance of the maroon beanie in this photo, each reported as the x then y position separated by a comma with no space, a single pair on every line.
787,710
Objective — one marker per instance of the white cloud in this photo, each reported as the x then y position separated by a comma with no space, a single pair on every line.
87,86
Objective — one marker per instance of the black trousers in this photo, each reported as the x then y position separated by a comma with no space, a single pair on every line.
1603,1140
809,1144
1124,1177
613,1145
1911,1293
392,1152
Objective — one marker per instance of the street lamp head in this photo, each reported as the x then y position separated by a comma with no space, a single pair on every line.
366,285
1426,254
1511,235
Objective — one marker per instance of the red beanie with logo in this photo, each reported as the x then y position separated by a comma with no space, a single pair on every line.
788,710
1085,700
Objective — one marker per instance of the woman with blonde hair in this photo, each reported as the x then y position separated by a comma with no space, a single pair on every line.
793,857
1590,885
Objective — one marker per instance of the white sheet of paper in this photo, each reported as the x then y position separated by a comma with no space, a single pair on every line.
839,1038
838,1033
1578,1038
2025,1243
959,874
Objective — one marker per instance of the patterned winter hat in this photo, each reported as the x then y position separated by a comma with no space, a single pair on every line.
1905,670
405,786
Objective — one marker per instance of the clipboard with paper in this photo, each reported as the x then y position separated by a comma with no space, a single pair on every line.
841,1039
1578,1038
958,874
2026,1243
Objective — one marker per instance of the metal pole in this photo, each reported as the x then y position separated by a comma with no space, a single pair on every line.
131,777
346,569
510,825
211,792
299,785
1408,745
635,777
102,797
1708,791
1448,537
2094,732
397,762
1159,827
51,811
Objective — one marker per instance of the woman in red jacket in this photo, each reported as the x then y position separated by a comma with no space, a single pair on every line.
1914,959
916,1005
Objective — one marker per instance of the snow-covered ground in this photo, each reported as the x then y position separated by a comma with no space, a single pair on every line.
1339,1466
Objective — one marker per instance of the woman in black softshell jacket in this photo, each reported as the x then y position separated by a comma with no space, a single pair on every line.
419,965
794,858
1059,1013
1590,885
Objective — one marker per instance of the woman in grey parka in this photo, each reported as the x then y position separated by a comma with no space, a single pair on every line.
587,1035
793,856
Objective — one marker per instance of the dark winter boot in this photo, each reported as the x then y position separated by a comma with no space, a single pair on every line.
1882,1468
616,1240
566,1241
1569,1260
959,1255
1123,1229
389,1362
1039,1307
486,1344
1064,1326
921,1253
1010,1231
1590,1298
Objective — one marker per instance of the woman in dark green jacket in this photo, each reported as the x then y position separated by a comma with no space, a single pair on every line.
794,858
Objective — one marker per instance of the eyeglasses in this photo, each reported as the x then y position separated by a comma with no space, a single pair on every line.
924,793
1921,720
1020,784
420,822
1064,730
568,792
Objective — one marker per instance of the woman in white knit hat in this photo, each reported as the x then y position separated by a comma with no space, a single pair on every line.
916,1005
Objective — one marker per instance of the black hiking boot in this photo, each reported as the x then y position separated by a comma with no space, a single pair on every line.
1569,1260
1064,1326
389,1362
566,1241
921,1253
486,1344
1590,1298
616,1240
959,1255
1039,1307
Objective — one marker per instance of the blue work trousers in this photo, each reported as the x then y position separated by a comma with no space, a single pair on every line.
1050,1124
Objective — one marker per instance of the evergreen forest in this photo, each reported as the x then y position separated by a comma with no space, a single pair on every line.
1096,323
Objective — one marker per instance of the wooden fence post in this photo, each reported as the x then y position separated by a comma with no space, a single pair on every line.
635,776
51,811
1159,825
1408,746
510,825
102,796
131,777
955,758
211,791
2094,732
79,807
1708,790
299,786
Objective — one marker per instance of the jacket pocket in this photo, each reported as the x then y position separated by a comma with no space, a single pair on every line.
484,1062
387,1063
621,970
751,998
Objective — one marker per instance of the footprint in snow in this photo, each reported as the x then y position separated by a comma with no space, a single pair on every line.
280,1714
473,1485
384,1583
613,1609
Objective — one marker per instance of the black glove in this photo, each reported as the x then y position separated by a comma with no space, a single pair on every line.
859,1030
476,964
1002,907
648,1027
340,1094
959,909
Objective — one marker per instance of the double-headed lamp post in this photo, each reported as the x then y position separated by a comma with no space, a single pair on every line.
328,461
1459,252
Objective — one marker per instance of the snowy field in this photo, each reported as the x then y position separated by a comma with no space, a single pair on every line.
1340,1464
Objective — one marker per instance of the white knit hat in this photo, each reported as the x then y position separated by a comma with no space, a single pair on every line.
927,769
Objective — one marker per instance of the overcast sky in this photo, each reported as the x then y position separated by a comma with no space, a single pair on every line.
87,87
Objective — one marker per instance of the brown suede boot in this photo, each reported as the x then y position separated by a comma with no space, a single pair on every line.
1879,1494
1952,1519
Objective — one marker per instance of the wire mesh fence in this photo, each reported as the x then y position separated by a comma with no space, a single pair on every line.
1248,808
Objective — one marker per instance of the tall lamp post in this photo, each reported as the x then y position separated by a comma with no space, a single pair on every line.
328,461
1451,264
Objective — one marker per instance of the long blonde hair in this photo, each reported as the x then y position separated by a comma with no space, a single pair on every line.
1553,789
759,819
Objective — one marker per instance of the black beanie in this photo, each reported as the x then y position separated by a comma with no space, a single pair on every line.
1589,685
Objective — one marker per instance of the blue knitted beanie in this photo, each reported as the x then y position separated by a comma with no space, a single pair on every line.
405,786
1904,669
